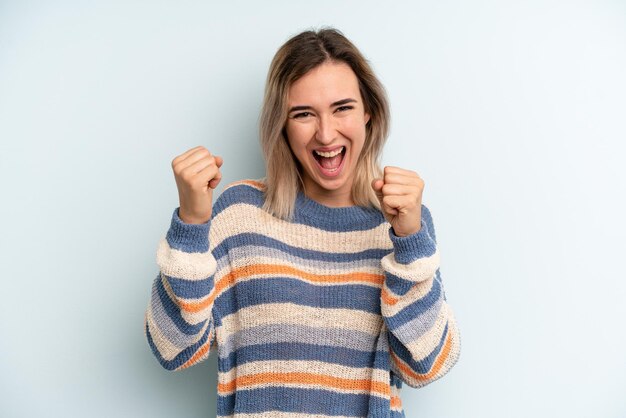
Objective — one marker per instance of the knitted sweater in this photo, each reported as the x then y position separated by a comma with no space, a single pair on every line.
324,316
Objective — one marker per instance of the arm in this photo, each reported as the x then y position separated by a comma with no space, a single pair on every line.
424,340
178,323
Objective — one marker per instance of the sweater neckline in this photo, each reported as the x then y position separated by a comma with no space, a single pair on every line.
345,218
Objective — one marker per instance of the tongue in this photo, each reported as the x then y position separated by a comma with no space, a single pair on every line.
332,162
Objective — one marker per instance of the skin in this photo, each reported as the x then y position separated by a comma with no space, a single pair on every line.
400,195
197,174
322,122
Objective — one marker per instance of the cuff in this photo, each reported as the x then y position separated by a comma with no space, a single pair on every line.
190,238
414,246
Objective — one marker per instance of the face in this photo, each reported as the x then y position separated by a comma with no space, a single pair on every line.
326,113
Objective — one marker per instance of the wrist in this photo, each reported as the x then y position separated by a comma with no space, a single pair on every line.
188,237
410,247
190,219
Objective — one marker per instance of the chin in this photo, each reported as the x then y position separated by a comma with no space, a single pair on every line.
330,184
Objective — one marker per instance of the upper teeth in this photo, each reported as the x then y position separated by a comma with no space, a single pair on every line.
329,154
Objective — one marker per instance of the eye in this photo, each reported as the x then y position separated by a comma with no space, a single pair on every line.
301,115
344,108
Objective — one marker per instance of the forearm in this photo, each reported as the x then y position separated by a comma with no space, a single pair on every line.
178,320
424,339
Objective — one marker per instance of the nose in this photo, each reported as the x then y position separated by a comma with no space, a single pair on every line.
326,129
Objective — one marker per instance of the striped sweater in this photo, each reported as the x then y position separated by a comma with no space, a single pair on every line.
326,315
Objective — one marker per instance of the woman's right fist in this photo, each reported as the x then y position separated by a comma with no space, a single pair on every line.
197,173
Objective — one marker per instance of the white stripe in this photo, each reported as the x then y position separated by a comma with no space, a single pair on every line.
243,218
291,313
418,270
189,266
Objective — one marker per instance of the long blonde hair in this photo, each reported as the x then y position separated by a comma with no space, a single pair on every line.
295,58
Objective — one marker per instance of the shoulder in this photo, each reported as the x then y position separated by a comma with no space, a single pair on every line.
241,191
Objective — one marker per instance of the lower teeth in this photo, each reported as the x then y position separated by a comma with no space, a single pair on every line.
330,170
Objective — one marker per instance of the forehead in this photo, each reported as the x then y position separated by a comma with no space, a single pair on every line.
326,83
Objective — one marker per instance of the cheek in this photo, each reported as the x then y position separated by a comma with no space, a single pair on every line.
356,129
298,135
295,141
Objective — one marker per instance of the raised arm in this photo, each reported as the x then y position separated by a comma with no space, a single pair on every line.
179,321
423,336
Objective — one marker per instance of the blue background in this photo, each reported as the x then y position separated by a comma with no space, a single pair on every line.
512,113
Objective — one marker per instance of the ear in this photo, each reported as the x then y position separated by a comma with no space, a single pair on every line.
367,117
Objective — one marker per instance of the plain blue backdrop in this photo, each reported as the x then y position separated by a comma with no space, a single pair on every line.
512,113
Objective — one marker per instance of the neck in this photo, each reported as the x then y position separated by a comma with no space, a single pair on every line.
338,198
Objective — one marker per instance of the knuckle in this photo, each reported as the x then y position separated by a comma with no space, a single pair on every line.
185,175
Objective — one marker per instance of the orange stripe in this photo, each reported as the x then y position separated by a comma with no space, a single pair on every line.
254,269
202,304
396,402
445,352
304,378
320,278
387,298
201,352
253,183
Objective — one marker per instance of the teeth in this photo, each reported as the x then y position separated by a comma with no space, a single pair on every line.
330,154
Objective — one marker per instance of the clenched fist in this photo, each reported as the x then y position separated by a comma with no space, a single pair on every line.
400,195
197,173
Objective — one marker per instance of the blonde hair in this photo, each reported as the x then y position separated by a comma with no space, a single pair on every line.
296,57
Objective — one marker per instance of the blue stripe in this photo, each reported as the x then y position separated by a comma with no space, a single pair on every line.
353,218
396,414
395,380
190,238
398,285
237,194
265,241
173,311
412,247
182,357
443,290
424,365
415,308
428,217
190,289
284,289
299,351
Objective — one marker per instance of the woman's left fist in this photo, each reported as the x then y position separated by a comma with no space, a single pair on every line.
400,195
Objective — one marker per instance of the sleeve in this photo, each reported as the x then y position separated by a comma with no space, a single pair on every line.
424,341
179,320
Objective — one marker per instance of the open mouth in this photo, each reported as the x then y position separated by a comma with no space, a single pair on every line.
330,166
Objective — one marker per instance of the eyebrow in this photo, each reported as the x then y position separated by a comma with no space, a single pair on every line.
337,103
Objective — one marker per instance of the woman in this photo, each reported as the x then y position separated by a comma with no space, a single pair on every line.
319,283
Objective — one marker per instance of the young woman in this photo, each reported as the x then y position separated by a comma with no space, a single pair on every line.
319,283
